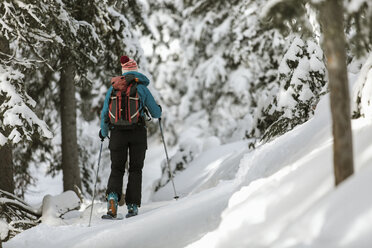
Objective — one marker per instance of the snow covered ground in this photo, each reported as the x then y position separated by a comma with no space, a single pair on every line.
281,194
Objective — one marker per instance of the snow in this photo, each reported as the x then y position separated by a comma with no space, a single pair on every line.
282,196
154,156
268,7
3,229
213,68
54,207
354,5
363,90
279,195
238,82
208,170
212,71
3,139
316,56
210,142
222,30
340,220
287,202
17,114
15,136
45,185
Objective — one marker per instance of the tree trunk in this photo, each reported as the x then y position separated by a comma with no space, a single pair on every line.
6,168
70,155
331,16
4,47
6,153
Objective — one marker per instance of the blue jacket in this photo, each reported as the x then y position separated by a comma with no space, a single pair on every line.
146,99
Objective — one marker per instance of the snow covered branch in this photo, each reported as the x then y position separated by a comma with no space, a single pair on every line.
18,120
15,215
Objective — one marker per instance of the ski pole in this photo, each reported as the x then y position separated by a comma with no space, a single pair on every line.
95,184
166,154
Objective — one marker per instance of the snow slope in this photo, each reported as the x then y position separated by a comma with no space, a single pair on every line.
282,195
298,206
167,223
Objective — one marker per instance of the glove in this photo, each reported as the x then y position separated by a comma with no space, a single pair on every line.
161,111
101,136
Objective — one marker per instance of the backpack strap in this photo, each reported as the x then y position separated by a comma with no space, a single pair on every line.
147,114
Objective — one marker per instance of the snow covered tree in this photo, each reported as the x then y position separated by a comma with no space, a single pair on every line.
114,23
78,47
358,15
228,76
50,29
332,18
81,51
301,83
163,52
362,98
219,76
257,51
15,216
358,30
6,164
18,121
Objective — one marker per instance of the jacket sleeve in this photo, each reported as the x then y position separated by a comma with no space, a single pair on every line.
105,114
148,100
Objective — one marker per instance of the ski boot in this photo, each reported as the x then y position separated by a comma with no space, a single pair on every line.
132,210
112,204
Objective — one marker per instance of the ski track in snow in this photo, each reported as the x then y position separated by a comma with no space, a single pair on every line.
219,208
282,196
159,224
205,190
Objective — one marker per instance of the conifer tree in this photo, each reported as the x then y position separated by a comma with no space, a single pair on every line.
20,28
223,70
302,80
66,39
6,153
114,24
332,15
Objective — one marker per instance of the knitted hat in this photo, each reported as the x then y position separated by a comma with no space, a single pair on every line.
128,64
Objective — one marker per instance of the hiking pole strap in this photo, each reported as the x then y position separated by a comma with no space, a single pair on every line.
95,184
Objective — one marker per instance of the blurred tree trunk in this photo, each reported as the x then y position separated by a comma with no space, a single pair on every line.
6,152
331,17
70,149
6,168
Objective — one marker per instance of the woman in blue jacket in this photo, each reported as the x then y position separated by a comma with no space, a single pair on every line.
122,141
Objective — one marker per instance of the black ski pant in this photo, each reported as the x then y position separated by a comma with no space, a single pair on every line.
133,141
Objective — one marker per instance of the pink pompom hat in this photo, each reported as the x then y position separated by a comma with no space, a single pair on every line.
128,64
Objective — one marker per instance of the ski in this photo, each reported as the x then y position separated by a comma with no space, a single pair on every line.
128,215
109,217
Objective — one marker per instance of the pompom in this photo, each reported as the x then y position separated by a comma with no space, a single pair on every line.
124,59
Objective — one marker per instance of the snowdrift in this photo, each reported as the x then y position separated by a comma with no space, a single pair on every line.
283,195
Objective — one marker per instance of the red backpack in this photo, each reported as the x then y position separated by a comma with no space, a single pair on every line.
124,104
